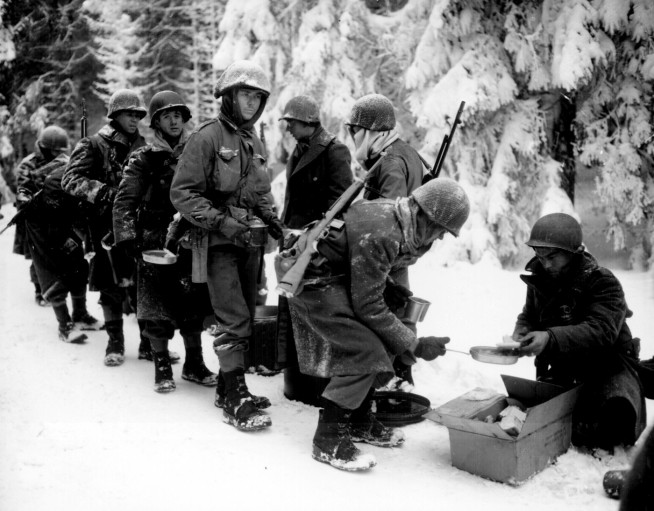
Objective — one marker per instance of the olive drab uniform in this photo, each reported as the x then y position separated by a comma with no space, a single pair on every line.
221,185
93,174
142,213
398,174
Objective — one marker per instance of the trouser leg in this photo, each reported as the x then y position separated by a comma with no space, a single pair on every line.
349,392
233,269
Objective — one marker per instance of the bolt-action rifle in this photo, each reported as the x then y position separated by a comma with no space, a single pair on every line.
294,261
434,172
85,232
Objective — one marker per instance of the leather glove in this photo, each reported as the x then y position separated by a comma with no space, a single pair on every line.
276,228
395,295
431,347
231,228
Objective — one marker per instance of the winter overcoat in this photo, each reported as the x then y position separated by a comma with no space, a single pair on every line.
316,176
142,213
341,323
30,176
54,224
590,340
399,173
96,165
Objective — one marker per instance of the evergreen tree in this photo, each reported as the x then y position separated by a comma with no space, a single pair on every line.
52,68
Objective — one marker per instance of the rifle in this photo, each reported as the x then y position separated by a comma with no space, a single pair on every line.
85,233
83,121
434,172
288,285
19,216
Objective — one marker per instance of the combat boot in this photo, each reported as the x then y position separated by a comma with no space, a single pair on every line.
81,317
364,427
332,443
195,370
239,408
261,402
67,331
146,352
163,373
115,352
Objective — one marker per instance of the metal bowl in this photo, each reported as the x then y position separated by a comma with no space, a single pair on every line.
494,355
159,256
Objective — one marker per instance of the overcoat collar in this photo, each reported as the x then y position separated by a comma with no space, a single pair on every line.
318,142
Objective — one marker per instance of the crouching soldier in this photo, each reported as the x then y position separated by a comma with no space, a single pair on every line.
166,297
574,323
93,174
343,327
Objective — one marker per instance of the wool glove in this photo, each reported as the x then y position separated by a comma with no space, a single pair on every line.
431,347
395,295
231,228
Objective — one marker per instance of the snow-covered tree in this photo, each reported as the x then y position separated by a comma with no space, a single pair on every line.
117,45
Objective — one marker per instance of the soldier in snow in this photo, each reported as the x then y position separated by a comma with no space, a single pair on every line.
574,323
93,174
344,328
142,212
221,186
317,173
372,127
30,175
55,223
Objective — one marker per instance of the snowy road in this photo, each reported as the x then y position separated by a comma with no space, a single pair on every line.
77,435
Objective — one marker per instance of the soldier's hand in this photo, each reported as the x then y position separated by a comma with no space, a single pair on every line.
23,198
395,295
128,247
431,347
232,228
276,228
106,196
534,343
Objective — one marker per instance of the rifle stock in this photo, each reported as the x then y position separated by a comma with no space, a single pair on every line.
290,282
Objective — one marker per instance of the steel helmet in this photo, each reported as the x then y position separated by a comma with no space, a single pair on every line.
302,108
125,99
53,138
556,230
242,73
373,112
167,100
445,202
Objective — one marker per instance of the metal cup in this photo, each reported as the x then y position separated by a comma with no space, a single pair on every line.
258,233
415,309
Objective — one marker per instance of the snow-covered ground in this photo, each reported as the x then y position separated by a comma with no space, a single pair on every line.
77,435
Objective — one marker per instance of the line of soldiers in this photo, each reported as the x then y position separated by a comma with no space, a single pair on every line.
204,196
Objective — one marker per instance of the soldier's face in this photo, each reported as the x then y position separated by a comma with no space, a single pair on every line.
248,101
554,261
170,122
128,121
298,129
